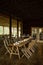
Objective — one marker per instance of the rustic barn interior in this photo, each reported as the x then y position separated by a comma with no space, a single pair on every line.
21,32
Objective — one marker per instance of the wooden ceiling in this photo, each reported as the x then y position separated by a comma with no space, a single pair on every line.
24,9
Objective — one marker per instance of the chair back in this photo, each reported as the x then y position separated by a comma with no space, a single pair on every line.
6,45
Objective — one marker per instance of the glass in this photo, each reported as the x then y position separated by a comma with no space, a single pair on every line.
1,30
6,30
15,32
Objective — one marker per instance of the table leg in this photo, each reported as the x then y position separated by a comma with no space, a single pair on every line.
18,52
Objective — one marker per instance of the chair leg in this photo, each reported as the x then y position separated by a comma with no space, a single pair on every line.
6,52
23,55
10,55
18,53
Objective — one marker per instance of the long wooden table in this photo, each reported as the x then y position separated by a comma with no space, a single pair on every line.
19,44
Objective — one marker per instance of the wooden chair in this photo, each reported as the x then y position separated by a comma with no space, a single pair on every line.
27,52
24,51
8,48
11,49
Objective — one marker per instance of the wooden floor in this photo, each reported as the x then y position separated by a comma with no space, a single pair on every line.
35,59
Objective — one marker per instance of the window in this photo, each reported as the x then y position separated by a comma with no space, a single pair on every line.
12,31
37,33
1,30
15,32
41,34
6,30
19,31
34,33
40,30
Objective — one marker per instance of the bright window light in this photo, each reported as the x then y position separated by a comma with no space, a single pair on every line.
40,30
1,30
12,31
6,30
15,32
19,31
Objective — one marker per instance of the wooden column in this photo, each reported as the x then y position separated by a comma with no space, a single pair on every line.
10,26
21,28
17,28
38,34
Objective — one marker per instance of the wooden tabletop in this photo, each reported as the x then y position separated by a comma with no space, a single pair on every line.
21,43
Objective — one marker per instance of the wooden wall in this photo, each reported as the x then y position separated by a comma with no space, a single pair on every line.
27,24
4,21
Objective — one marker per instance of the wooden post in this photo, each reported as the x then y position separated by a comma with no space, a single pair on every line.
17,28
10,26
